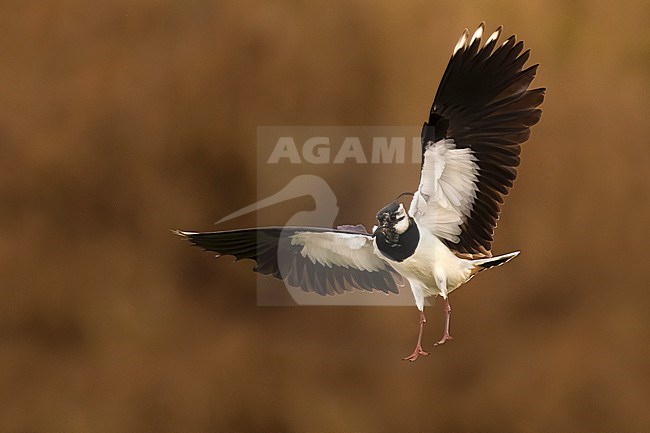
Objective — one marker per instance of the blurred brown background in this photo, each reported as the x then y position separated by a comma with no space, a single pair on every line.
121,120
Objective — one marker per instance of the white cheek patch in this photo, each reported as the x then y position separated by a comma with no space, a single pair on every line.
402,225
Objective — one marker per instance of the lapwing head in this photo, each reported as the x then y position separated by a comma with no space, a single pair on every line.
393,218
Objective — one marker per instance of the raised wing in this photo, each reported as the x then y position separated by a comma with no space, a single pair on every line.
325,261
481,114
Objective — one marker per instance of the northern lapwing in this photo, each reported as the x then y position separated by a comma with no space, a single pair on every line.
482,112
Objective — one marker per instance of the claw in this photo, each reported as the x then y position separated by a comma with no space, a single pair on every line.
417,352
443,339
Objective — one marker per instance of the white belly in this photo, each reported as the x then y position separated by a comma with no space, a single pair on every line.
432,269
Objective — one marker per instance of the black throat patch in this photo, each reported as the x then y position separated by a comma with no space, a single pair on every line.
398,247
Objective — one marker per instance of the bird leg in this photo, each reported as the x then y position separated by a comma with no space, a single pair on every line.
446,335
418,348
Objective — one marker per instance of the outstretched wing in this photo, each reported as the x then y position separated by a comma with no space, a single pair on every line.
481,114
325,261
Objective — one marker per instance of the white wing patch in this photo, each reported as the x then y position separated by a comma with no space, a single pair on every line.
339,249
447,189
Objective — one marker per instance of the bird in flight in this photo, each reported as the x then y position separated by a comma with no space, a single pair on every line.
482,112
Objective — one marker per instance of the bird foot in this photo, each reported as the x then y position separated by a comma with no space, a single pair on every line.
417,352
443,339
